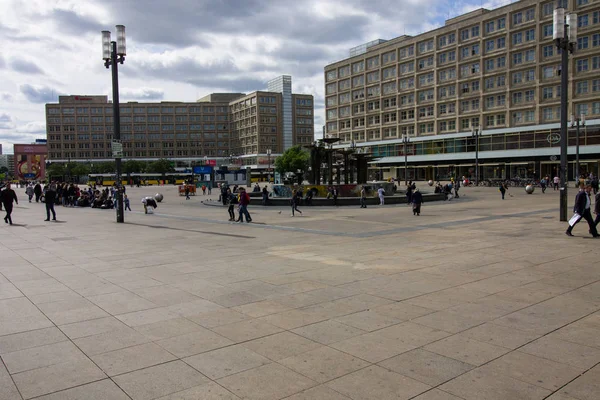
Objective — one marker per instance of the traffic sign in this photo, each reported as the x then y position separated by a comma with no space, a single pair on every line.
117,149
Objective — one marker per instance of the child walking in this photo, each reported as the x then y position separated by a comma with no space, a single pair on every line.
126,200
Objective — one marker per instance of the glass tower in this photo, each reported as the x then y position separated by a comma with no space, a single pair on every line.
283,84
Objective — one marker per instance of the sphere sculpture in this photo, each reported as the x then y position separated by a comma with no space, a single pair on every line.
529,189
158,197
430,183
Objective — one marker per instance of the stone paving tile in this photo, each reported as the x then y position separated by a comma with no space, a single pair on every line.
92,327
318,392
37,382
377,383
169,328
323,364
192,343
436,394
534,370
111,340
261,308
9,291
34,338
160,380
101,390
563,352
269,382
466,350
328,332
500,335
210,391
42,356
226,361
367,321
131,358
281,345
292,319
424,366
212,319
8,390
246,330
481,384
585,387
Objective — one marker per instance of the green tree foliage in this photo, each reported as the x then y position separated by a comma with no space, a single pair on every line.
55,171
79,169
103,168
3,170
161,166
133,167
293,160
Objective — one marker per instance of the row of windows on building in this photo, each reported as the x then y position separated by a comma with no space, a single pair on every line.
520,117
466,34
466,70
138,110
152,153
139,128
138,119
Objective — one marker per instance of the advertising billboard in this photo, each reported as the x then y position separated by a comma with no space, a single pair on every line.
30,161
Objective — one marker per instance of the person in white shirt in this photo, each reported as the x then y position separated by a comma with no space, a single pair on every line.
381,194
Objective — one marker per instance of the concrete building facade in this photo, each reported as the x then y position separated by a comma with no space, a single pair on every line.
217,126
497,71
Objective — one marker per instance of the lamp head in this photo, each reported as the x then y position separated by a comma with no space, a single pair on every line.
106,45
558,24
121,46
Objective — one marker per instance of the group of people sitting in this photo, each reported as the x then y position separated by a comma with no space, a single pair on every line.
70,195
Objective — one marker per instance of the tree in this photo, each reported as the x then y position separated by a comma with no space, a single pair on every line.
3,170
133,167
79,169
104,168
55,171
294,160
161,166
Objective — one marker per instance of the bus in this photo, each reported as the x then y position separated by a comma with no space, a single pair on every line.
144,179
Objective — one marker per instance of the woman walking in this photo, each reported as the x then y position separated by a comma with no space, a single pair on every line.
502,189
417,200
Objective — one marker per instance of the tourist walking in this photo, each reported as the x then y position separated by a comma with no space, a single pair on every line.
29,192
49,199
37,190
417,200
127,203
556,182
582,210
265,195
187,192
363,197
334,194
381,194
295,201
543,185
244,200
502,188
7,197
409,191
231,201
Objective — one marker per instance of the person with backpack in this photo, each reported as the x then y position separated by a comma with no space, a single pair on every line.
543,185
232,200
244,200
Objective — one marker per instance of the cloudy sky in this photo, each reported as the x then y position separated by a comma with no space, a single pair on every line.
180,50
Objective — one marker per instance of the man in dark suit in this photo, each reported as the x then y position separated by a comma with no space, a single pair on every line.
8,196
583,210
49,199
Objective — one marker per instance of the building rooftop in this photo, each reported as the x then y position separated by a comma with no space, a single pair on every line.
220,97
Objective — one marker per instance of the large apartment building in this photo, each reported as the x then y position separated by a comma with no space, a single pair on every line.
217,126
497,71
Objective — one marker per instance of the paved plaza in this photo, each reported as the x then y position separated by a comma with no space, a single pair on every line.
476,299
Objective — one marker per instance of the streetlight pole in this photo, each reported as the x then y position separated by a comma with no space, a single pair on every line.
475,132
113,54
565,36
405,141
577,122
269,167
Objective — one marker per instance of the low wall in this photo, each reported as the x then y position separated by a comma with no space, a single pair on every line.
321,191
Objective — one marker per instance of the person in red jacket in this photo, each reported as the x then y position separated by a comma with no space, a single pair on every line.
244,200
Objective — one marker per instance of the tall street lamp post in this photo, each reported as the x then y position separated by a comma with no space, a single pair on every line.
405,141
565,36
476,132
113,54
577,122
269,167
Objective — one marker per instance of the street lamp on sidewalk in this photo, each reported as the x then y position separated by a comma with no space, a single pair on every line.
113,53
565,36
476,132
269,167
577,122
405,141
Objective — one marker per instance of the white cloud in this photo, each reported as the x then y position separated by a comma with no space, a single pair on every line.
185,49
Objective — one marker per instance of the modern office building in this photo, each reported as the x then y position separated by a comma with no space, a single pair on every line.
491,71
221,126
8,161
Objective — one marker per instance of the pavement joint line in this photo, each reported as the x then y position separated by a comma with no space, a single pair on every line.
356,235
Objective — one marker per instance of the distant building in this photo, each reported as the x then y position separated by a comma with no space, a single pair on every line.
219,126
0,149
8,161
30,161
